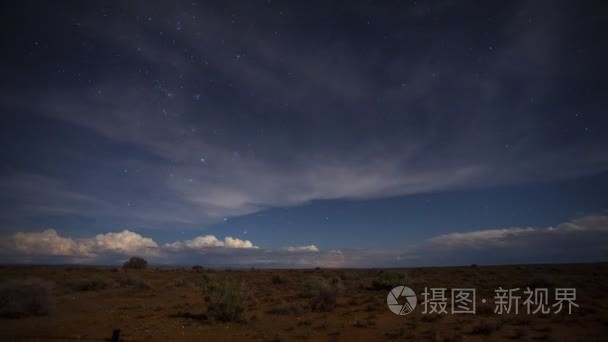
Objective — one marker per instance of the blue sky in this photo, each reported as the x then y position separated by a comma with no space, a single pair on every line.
295,135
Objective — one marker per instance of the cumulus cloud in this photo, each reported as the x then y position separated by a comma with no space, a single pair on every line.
309,248
111,247
580,240
114,247
48,243
123,242
210,241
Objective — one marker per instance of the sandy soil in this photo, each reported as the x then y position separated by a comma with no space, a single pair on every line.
174,308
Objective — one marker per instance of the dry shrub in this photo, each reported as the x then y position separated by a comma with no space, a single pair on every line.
483,328
323,293
22,298
134,282
90,284
285,309
224,299
386,281
278,279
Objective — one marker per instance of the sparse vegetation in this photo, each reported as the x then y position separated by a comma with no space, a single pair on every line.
485,309
180,282
386,281
483,328
134,282
284,308
135,263
519,334
279,279
296,304
323,293
22,298
443,336
224,299
90,284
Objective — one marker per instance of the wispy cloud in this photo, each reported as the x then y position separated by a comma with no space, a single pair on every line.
581,240
216,125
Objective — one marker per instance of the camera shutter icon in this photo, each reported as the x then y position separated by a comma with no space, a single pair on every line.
401,300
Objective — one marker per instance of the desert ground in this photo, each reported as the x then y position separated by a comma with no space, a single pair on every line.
88,303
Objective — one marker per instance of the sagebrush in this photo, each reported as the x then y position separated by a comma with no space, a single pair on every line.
224,299
21,298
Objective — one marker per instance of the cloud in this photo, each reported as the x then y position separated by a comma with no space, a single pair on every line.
124,242
480,238
115,247
309,248
509,237
46,243
111,247
584,239
49,243
436,133
207,241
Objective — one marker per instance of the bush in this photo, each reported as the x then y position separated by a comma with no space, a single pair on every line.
91,284
135,263
180,282
133,282
21,298
483,328
224,300
285,309
323,293
197,267
387,281
278,279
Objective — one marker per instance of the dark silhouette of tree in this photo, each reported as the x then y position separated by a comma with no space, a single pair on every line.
135,263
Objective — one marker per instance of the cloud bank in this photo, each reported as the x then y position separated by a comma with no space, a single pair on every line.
583,239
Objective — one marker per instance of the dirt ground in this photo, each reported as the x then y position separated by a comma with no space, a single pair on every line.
169,305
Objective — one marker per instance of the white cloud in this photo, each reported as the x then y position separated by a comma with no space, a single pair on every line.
207,241
510,236
580,240
197,242
47,242
125,242
309,248
231,242
480,237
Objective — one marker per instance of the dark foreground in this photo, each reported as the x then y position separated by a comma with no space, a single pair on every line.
61,303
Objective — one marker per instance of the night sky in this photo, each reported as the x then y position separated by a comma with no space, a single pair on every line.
303,134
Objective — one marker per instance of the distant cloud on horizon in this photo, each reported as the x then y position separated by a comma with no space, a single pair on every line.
583,239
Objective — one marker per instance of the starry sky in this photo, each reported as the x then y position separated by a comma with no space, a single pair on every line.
304,133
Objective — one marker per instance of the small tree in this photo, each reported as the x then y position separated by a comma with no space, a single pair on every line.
135,263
